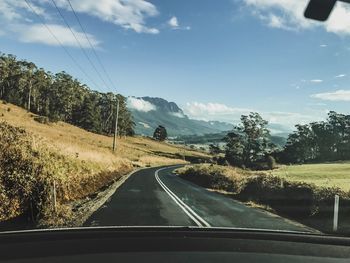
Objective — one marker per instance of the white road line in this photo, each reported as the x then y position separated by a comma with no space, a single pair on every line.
193,215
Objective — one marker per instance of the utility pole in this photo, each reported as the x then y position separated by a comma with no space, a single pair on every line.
29,94
116,127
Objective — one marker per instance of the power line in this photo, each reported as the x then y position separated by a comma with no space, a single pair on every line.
60,43
92,47
105,72
80,46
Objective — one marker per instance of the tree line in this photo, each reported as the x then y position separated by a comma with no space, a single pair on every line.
322,141
249,144
60,97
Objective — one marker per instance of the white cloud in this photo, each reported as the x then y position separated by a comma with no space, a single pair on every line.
13,9
276,21
290,119
339,95
287,14
213,111
38,33
129,14
17,17
340,76
222,112
173,22
140,105
323,45
178,114
316,80
145,125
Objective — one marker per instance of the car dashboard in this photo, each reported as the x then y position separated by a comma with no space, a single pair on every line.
118,244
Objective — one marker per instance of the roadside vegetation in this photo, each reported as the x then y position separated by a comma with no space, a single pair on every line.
298,181
304,202
28,170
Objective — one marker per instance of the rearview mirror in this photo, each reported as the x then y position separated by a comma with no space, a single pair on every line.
319,9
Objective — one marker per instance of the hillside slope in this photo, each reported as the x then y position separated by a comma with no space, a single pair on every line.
78,143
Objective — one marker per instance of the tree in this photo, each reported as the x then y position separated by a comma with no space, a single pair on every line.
214,149
27,77
88,116
249,142
160,133
235,148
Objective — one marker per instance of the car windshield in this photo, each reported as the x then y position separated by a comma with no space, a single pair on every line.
129,113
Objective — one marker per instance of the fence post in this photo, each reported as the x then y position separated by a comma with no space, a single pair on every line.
336,212
54,196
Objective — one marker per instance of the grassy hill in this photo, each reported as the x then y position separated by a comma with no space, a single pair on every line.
78,143
33,155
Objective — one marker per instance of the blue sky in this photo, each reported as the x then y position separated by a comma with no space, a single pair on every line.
216,59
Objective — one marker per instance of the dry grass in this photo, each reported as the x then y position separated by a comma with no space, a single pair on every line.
86,146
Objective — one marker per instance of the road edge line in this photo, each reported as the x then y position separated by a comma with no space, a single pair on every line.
182,204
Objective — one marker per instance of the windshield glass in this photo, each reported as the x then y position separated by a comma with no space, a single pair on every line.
231,113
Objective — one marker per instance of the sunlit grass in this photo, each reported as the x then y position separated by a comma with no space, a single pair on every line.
326,174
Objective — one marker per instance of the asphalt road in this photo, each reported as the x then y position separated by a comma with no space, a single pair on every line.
156,197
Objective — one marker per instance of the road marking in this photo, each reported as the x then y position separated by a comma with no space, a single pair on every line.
191,214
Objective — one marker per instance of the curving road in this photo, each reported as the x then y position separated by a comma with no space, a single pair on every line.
156,197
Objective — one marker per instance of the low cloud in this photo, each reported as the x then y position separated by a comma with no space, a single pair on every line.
140,105
178,114
222,112
213,111
339,95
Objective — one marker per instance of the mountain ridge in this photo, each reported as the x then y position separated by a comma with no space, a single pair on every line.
157,111
170,115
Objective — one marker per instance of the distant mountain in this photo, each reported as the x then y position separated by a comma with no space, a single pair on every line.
219,138
168,114
279,130
150,112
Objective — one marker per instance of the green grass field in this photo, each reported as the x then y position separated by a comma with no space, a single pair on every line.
326,174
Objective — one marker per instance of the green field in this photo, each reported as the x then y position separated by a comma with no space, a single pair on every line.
325,174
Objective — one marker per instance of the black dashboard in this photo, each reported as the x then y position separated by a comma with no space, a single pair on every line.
170,245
